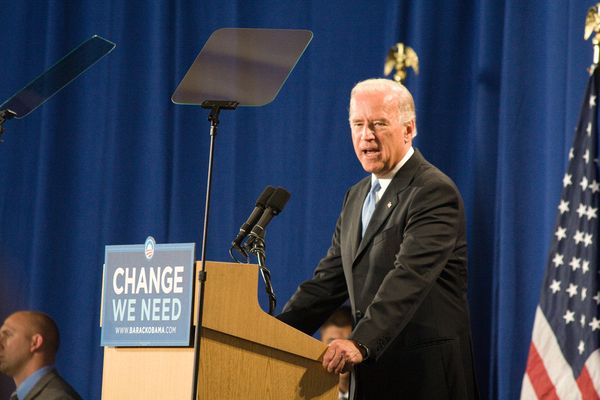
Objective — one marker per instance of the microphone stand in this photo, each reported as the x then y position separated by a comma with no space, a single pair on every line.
215,108
258,249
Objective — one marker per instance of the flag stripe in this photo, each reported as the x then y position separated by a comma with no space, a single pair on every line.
542,385
546,345
527,392
586,386
593,368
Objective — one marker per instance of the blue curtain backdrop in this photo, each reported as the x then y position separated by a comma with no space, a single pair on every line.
110,160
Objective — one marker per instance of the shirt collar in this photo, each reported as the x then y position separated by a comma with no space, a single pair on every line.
28,384
385,181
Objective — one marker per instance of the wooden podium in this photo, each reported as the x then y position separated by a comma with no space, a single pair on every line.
245,353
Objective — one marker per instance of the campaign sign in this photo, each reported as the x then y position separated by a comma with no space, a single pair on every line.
147,294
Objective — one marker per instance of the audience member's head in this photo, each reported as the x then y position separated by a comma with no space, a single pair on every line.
337,326
29,341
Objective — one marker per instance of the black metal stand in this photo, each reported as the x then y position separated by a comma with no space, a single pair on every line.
5,115
215,108
258,249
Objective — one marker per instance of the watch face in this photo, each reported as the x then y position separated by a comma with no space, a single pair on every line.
363,350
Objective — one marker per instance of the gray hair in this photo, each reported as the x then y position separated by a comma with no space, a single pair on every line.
395,90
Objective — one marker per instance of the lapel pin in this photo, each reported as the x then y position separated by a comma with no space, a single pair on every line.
389,204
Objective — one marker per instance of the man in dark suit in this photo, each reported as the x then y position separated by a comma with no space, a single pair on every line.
29,341
399,254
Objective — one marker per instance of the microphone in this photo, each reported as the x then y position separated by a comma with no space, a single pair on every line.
274,206
259,208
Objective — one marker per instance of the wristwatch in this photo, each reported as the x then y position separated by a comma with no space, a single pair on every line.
364,350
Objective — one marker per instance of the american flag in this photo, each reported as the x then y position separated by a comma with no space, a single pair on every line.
564,355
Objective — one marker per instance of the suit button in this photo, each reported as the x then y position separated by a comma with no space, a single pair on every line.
358,315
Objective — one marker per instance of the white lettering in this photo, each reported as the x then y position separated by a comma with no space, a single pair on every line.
156,309
130,280
119,309
131,310
116,288
155,280
167,280
178,279
145,315
166,303
176,310
161,309
142,285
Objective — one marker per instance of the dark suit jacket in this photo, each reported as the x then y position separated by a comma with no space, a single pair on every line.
52,387
407,285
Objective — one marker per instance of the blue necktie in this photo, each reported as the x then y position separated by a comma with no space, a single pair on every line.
369,205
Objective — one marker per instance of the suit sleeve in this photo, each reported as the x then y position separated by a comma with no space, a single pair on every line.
434,219
316,299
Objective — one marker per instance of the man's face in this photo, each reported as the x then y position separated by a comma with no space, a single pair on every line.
15,345
380,139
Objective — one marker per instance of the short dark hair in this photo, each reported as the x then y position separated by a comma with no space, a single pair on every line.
340,318
43,324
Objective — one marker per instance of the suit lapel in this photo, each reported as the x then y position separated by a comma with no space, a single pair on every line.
355,217
351,232
389,201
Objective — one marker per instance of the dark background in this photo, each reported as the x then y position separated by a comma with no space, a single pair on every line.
110,160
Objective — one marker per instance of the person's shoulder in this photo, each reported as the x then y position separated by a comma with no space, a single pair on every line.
431,183
356,191
428,174
55,387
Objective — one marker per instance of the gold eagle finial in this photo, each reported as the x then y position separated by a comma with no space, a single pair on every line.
400,57
592,25
592,21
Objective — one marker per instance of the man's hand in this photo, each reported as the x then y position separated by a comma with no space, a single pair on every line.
341,356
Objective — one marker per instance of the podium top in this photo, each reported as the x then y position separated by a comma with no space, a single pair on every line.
58,76
245,65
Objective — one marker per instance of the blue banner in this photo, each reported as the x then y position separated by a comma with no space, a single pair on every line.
147,294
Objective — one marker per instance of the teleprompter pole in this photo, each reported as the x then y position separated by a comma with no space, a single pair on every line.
215,108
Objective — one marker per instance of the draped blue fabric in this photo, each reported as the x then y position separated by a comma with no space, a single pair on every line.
110,160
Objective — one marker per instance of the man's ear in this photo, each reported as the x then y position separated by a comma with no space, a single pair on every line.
410,129
36,343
